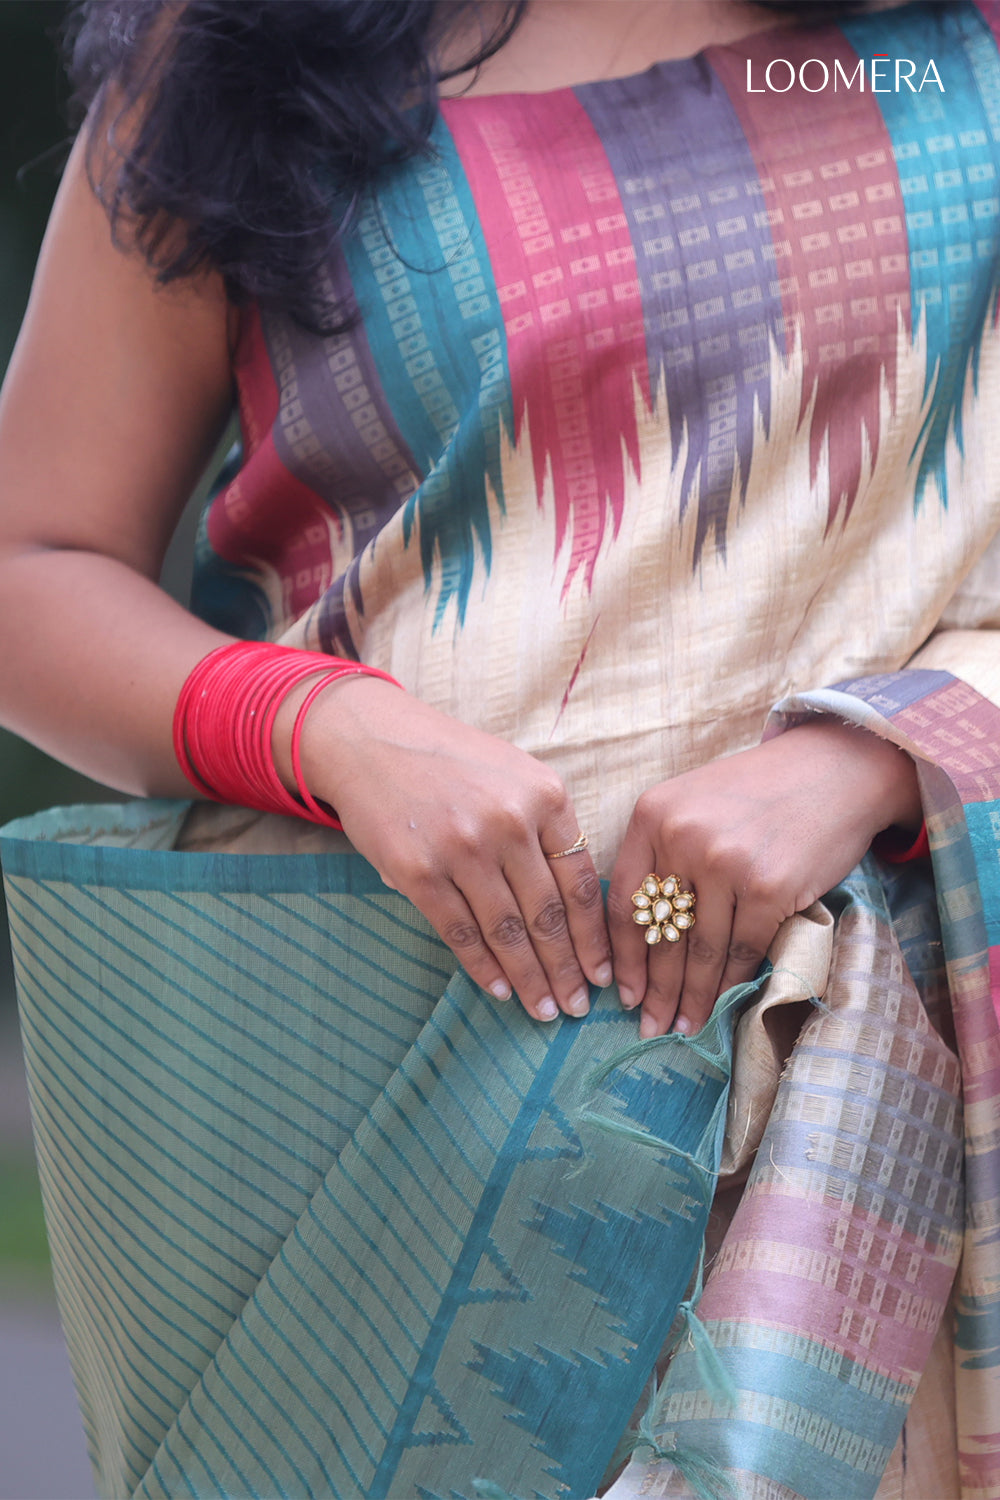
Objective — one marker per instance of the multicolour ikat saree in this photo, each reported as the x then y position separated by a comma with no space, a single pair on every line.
878,1169
667,400
329,1222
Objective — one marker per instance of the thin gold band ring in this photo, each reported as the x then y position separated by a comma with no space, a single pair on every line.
576,848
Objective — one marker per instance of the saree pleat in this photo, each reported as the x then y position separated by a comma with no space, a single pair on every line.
326,1219
837,1268
827,1293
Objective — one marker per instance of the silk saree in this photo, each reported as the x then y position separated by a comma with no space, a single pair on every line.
665,401
327,1221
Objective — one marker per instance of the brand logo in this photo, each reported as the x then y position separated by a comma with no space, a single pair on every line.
882,75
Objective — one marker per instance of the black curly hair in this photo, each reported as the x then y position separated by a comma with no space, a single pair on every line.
255,127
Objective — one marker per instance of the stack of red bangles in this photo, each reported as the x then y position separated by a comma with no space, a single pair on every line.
225,718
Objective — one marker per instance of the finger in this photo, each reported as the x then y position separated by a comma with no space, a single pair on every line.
546,924
665,977
754,929
580,891
668,973
636,860
707,946
452,918
505,931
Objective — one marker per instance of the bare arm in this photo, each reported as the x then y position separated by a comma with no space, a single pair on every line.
115,398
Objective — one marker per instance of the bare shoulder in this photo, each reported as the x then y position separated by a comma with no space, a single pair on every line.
561,43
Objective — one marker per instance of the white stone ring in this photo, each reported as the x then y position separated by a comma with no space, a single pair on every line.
664,908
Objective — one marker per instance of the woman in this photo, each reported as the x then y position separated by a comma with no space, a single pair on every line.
640,402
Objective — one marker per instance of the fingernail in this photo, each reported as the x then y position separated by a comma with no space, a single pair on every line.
500,990
647,1028
580,1003
548,1009
603,974
683,1025
627,997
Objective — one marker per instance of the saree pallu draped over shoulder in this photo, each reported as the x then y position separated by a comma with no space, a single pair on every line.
326,1221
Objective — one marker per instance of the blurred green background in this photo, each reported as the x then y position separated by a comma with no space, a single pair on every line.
33,132
42,1449
34,140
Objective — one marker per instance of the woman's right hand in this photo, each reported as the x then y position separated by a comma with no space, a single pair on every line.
460,822
96,654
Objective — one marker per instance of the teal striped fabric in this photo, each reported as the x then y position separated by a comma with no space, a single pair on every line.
326,1220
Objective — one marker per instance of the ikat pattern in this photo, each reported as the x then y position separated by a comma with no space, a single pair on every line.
665,400
705,260
423,249
840,258
327,1222
575,269
823,1322
327,1187
948,183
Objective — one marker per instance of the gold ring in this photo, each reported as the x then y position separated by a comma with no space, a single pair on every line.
663,908
576,848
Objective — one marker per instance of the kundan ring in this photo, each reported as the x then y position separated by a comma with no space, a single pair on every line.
663,908
576,848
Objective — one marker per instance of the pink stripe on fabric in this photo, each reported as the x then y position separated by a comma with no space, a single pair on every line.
266,515
957,727
841,264
989,1081
873,1293
977,1471
570,299
990,12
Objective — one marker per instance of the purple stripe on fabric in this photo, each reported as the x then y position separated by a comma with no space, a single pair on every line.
336,433
894,691
831,190
705,263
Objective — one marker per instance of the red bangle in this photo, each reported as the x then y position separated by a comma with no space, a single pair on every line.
225,716
887,847
318,811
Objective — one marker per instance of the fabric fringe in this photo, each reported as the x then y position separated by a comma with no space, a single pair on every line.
715,1056
713,1374
707,1478
640,1137
816,1001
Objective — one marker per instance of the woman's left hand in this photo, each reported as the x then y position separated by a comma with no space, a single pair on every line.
757,836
